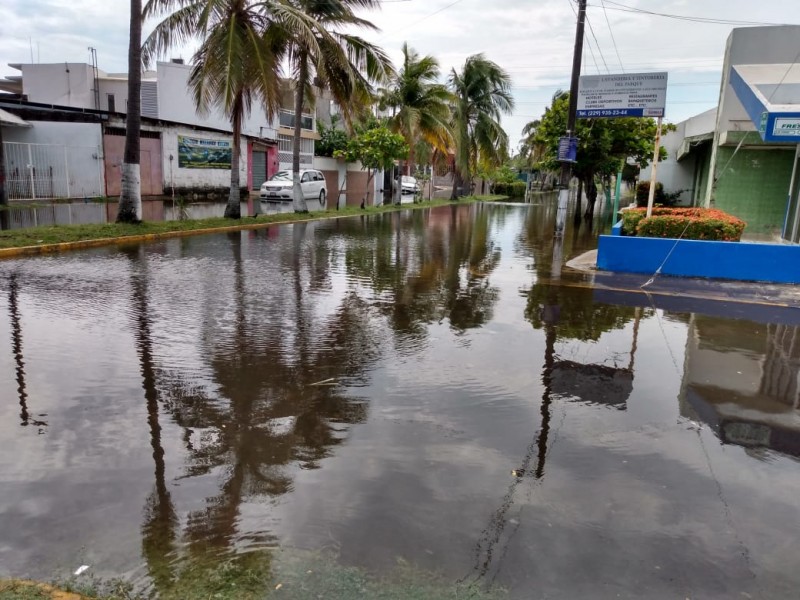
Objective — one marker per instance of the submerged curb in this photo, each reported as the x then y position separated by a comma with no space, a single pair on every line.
19,585
151,237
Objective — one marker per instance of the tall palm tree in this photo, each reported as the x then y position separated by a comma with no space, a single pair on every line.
483,93
421,104
130,201
237,63
342,63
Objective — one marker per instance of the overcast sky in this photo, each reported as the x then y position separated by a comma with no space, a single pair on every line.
531,39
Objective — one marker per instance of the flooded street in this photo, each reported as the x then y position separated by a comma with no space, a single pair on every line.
418,391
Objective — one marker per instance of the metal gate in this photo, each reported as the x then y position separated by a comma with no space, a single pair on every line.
38,171
259,168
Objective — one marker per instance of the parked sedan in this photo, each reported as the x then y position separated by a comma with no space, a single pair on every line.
279,187
409,185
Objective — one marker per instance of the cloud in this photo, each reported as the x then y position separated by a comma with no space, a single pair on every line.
532,40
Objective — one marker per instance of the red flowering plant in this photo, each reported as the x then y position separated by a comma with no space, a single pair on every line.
685,223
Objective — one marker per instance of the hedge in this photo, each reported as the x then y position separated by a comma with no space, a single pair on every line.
512,190
685,223
643,193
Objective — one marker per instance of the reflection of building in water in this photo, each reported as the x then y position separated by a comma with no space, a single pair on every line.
742,379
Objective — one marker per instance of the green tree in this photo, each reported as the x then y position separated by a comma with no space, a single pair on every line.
342,63
482,91
331,140
237,63
420,104
602,144
375,149
130,201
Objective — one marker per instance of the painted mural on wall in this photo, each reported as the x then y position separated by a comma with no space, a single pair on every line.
203,153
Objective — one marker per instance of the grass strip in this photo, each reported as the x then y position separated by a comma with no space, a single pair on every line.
36,240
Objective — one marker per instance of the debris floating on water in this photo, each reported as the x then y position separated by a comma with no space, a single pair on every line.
81,569
330,381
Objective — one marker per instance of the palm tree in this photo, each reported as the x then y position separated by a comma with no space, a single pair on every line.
237,63
130,201
344,64
482,93
421,104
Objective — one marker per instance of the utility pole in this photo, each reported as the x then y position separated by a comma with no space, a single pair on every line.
577,56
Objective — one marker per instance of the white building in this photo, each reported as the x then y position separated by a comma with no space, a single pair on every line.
93,104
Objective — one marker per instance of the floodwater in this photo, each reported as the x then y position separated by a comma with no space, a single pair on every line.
421,389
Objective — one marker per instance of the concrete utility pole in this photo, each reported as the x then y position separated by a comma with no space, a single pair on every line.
577,56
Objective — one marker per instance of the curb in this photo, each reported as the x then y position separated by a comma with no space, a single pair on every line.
151,237
146,237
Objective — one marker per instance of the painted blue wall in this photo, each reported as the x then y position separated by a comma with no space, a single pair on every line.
777,263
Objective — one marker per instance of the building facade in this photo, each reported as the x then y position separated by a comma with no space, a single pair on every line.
742,157
75,134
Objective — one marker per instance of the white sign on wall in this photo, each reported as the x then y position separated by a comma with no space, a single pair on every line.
787,127
622,95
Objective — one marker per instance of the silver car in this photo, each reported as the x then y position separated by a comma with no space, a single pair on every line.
279,187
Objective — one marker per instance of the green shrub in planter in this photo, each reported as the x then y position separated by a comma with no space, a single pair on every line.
512,190
685,223
643,193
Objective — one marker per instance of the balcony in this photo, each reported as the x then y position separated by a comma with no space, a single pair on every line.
287,120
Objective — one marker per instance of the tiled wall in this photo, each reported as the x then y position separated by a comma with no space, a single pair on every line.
754,186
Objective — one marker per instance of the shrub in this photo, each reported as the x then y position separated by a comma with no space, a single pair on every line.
512,190
643,193
685,223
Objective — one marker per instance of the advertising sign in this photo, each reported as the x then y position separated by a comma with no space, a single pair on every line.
567,149
786,127
622,95
202,153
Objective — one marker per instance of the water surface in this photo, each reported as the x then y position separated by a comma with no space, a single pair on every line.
428,387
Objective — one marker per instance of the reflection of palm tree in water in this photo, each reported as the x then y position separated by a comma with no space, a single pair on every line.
16,347
159,529
268,414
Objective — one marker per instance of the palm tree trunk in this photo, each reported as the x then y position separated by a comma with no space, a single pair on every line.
300,205
456,185
233,210
130,202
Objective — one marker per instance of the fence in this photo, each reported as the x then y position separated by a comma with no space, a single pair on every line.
56,214
39,171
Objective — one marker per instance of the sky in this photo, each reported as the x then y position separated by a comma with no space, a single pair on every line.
531,39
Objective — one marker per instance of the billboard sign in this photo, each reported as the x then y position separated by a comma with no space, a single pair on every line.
622,95
203,153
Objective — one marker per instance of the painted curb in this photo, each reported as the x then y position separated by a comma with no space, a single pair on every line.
151,237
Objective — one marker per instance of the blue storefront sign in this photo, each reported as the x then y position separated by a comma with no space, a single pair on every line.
567,149
774,122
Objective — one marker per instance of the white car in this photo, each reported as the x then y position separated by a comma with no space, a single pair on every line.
279,187
409,185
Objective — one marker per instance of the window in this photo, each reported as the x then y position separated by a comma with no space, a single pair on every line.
112,103
319,176
287,120
306,178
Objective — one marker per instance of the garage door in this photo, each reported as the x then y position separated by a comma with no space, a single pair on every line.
259,168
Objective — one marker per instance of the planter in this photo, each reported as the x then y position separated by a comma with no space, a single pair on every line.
776,263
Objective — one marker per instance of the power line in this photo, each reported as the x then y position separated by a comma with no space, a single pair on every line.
426,17
708,20
588,43
591,30
619,58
